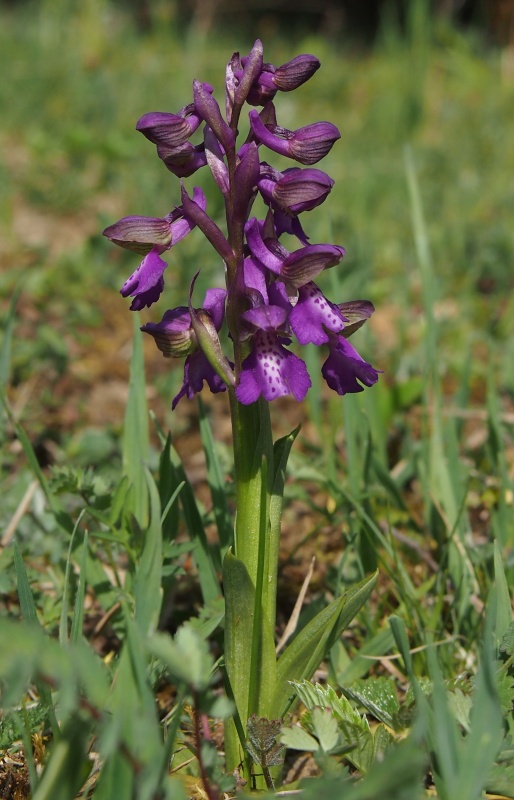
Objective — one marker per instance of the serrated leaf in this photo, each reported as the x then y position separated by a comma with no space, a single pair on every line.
505,688
325,728
296,738
507,642
186,656
263,744
314,695
378,696
302,657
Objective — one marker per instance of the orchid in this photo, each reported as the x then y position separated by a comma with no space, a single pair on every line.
270,306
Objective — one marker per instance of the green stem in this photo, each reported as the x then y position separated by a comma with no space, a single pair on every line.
250,578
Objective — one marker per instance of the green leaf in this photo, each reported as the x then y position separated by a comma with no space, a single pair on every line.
147,585
503,603
5,349
27,604
325,728
263,744
136,429
239,640
68,764
186,657
205,556
507,642
378,696
305,653
78,612
216,482
296,738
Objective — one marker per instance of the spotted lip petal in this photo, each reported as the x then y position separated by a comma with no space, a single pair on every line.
313,314
271,371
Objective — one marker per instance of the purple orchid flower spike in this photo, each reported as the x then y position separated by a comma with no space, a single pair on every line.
270,370
271,296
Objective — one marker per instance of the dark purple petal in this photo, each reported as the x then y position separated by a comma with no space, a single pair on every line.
197,370
356,312
255,279
307,145
295,72
312,314
183,161
271,371
291,225
173,334
301,190
344,367
278,144
171,130
263,89
310,144
146,283
207,226
304,264
214,303
258,247
266,317
140,234
252,67
209,110
217,165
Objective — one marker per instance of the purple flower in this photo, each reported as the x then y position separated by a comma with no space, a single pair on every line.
271,296
294,73
175,337
296,268
142,234
171,130
197,370
344,367
266,79
270,370
146,284
306,145
183,160
295,190
314,315
152,236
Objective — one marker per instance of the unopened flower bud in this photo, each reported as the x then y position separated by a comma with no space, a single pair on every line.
171,130
295,72
174,335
